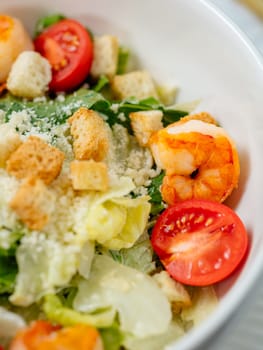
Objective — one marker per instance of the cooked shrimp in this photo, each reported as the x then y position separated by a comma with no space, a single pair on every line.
41,335
200,160
13,40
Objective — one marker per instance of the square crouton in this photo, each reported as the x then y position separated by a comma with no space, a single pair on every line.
90,135
89,175
35,157
145,123
9,142
138,84
105,59
32,203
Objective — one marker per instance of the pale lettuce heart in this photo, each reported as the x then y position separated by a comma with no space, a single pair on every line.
142,307
43,265
119,222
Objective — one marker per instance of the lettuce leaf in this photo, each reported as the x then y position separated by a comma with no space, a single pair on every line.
65,316
113,220
142,307
155,342
44,265
139,256
204,302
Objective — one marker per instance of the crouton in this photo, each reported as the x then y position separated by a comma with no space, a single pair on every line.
145,123
105,59
32,203
35,157
90,135
138,84
174,291
29,76
89,175
9,142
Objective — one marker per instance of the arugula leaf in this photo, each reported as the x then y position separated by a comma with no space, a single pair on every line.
102,82
56,111
47,21
123,58
155,194
8,264
8,271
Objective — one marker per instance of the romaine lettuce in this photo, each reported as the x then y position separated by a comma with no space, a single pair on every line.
142,307
43,264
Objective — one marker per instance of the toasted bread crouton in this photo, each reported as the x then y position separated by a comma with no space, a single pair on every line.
9,141
105,59
174,291
30,75
145,123
89,175
90,134
32,203
138,84
35,157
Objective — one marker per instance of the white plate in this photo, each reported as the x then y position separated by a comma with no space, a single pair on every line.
190,44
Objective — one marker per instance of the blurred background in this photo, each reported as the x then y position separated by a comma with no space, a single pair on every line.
248,15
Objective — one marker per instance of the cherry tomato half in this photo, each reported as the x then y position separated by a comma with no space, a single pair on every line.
68,47
199,242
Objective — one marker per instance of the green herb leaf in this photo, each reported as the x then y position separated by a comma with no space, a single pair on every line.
123,58
47,21
102,82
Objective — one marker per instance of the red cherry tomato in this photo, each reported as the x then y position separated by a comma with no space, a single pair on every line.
68,47
199,242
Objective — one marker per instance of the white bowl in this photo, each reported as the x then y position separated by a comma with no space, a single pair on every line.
191,44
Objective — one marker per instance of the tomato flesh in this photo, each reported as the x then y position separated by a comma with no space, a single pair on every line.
199,242
68,47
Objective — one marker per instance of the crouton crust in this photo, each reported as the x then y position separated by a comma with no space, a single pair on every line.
31,203
90,135
9,142
35,157
145,123
138,84
89,175
105,59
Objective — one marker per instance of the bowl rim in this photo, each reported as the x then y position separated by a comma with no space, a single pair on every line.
203,332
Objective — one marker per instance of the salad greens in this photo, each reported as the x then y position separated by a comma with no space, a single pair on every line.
94,264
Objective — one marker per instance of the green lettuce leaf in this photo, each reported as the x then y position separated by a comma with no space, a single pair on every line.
65,316
142,307
139,256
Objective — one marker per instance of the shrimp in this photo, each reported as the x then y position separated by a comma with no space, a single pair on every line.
199,158
13,40
42,335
